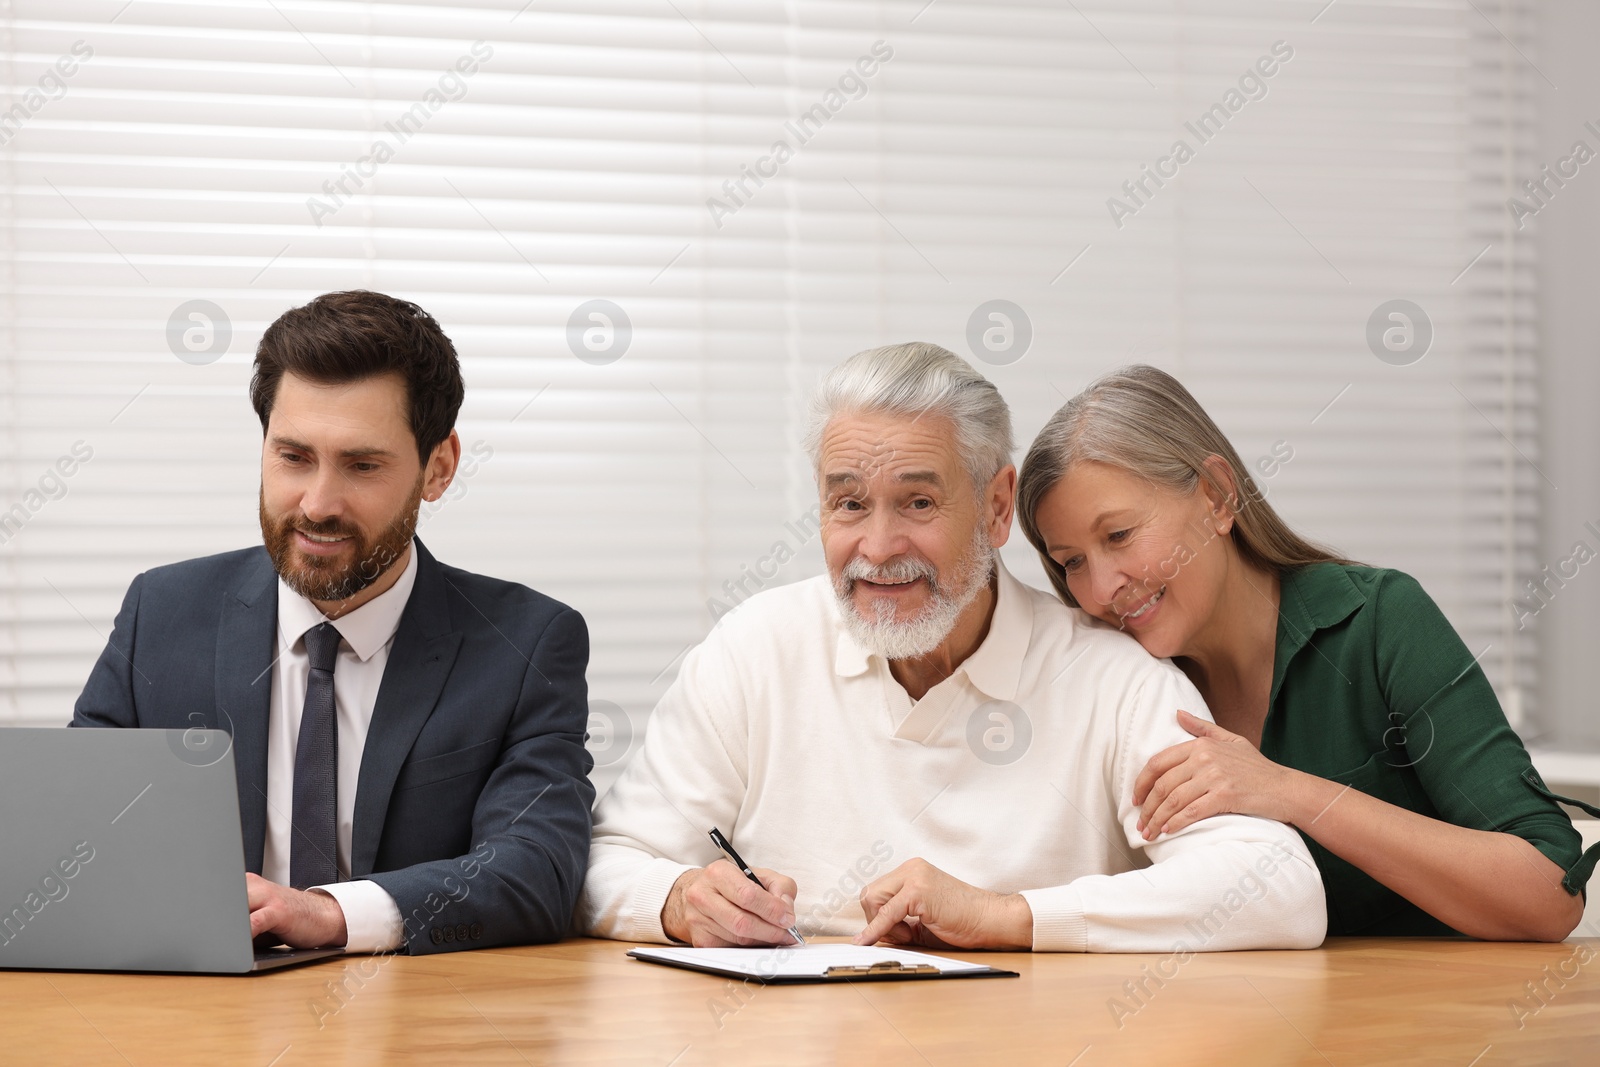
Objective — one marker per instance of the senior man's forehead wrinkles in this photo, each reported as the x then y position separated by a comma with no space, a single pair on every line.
880,432
861,450
886,456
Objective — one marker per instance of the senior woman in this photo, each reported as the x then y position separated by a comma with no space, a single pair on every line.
1345,704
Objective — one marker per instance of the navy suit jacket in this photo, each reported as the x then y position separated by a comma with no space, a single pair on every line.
472,807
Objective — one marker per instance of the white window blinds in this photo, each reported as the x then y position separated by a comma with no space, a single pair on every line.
752,191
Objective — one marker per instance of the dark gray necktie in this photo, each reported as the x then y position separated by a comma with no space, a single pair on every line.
314,839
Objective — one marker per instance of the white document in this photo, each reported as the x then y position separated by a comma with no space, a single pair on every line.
799,961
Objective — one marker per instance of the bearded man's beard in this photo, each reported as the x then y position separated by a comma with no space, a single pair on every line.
898,639
338,577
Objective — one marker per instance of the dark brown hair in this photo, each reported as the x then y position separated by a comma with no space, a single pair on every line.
349,336
1143,420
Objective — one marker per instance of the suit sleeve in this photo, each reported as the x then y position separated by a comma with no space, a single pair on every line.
108,697
1227,882
530,827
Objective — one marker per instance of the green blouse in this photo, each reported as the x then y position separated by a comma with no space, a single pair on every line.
1372,687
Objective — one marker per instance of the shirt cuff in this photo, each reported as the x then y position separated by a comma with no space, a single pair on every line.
1059,922
371,917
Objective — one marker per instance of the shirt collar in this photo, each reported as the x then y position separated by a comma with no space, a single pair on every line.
1310,598
366,629
995,668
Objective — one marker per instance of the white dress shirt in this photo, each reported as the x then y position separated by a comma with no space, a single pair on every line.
1015,774
371,916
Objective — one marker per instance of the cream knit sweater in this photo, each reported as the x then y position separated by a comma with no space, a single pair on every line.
1014,774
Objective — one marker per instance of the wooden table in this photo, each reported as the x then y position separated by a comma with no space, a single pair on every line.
1352,1002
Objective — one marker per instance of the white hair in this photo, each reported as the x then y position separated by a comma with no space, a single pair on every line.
914,379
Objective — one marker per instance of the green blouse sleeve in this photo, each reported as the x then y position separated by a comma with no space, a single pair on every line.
1447,724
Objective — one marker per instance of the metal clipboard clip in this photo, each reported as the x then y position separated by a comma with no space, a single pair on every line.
880,968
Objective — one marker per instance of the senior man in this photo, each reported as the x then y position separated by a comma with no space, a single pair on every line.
917,747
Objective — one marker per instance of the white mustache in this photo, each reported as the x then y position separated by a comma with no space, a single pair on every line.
901,570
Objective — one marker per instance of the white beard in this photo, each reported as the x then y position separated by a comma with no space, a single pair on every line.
893,639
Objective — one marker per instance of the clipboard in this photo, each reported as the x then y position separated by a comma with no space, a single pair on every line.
816,964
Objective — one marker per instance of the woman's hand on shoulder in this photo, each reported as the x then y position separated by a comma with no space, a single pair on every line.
1216,773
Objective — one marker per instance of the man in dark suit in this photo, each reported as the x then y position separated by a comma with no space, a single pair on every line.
408,736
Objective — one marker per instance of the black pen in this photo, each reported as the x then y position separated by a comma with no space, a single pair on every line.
726,849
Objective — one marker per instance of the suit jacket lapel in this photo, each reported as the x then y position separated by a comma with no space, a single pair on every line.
246,643
420,659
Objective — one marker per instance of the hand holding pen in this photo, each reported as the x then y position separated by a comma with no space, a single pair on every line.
726,848
730,905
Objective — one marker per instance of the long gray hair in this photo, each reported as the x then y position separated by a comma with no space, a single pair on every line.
914,379
1142,420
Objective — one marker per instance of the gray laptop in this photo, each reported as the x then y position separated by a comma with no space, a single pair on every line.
120,850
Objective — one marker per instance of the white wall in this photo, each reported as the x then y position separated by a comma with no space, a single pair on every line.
1568,234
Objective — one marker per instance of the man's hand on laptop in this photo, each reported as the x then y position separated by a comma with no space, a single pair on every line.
299,919
718,907
918,904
